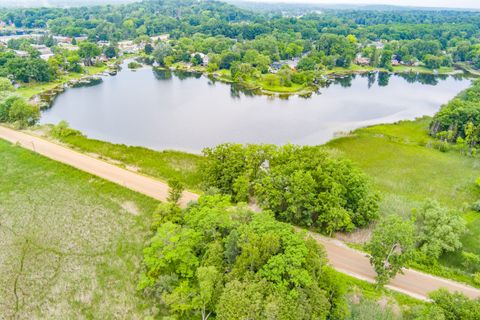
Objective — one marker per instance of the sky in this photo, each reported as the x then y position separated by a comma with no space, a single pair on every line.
417,3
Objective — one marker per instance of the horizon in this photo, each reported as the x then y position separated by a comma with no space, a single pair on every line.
448,4
436,4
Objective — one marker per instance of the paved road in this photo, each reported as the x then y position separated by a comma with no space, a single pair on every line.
342,258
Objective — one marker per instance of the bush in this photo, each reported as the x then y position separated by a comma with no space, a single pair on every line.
471,261
441,146
476,206
16,109
134,65
62,130
23,113
476,278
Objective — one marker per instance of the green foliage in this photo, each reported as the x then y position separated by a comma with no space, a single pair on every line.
6,85
62,130
371,310
302,185
438,230
229,263
176,189
391,247
161,52
459,120
17,110
87,51
134,65
456,306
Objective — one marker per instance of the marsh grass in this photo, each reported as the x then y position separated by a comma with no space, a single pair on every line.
407,170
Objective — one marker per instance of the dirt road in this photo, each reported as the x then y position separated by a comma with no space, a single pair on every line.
342,258
129,179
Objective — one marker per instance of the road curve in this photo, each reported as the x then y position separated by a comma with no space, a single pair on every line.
341,257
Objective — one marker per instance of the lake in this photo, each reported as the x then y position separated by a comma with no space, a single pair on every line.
165,110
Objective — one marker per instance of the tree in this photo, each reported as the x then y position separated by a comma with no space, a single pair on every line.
161,52
6,85
175,191
456,306
438,230
386,60
432,62
110,52
148,49
209,285
391,247
87,51
23,113
197,60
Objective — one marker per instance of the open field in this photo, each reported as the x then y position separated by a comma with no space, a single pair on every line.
164,165
71,243
408,171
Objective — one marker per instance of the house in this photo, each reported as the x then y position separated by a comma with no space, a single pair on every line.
68,46
21,54
378,44
362,61
129,47
395,62
61,39
162,37
204,57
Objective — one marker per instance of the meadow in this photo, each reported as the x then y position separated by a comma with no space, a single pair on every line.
408,170
71,243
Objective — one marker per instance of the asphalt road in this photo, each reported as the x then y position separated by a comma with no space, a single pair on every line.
341,257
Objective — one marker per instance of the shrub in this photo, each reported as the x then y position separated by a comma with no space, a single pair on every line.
476,206
134,65
19,111
62,130
476,278
441,146
471,261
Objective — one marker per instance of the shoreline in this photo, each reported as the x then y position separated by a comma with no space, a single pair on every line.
329,75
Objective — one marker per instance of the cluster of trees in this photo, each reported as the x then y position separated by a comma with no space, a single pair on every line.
24,69
305,185
16,110
432,231
214,260
459,120
250,41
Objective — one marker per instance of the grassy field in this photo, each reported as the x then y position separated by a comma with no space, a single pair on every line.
407,170
164,165
71,243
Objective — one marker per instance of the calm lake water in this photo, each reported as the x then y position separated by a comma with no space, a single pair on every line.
164,110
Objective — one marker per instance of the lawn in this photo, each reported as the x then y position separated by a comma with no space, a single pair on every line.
407,171
71,243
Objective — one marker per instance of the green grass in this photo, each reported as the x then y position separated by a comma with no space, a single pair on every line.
71,243
407,172
164,165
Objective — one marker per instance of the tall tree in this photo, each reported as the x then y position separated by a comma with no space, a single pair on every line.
391,247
